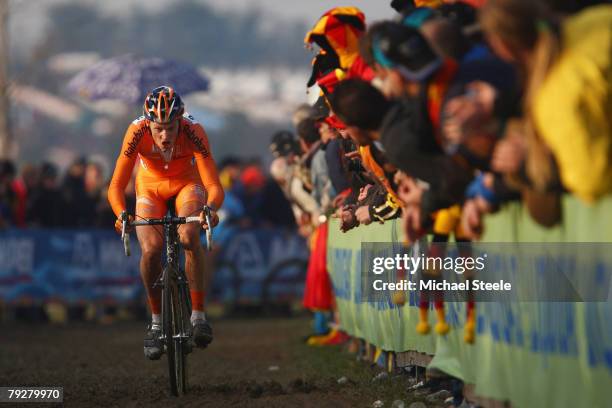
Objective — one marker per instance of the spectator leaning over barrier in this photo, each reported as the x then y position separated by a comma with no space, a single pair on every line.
408,67
566,132
467,124
334,157
398,129
568,94
361,108
443,27
337,33
423,82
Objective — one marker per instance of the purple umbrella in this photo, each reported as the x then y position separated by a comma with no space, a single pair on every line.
129,78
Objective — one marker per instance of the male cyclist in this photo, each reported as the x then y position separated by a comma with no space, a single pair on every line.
175,161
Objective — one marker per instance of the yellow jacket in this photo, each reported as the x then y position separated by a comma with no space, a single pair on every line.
573,108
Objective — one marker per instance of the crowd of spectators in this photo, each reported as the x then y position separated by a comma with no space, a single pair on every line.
445,112
39,197
452,106
252,199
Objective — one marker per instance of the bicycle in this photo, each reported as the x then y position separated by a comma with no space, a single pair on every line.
176,300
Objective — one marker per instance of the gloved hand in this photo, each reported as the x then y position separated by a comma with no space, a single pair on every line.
214,219
119,224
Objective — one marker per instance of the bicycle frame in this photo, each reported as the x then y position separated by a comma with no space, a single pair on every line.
178,274
176,299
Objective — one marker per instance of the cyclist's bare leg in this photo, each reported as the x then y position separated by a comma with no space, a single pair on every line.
189,235
151,245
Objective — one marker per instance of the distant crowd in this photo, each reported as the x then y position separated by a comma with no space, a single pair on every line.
39,196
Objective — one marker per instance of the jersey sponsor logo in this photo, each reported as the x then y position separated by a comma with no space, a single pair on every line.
133,144
189,117
197,142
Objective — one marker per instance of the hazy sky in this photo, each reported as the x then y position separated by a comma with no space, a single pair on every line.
28,17
308,10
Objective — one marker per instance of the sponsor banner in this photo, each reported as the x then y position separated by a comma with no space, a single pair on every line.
388,322
260,265
488,272
90,265
70,266
533,354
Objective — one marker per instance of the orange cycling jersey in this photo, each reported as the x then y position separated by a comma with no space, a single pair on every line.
183,173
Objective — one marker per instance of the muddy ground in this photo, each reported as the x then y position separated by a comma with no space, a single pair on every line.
251,363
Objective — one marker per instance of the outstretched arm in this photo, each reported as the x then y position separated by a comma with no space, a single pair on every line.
123,168
206,166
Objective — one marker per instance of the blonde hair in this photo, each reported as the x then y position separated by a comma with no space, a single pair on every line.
523,26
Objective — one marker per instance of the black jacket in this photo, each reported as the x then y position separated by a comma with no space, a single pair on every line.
408,138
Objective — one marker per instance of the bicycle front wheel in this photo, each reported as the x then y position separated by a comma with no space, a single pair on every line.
174,333
182,335
168,328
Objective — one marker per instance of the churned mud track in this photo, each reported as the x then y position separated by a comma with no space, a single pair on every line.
259,362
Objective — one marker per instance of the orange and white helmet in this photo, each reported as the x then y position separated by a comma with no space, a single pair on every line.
163,105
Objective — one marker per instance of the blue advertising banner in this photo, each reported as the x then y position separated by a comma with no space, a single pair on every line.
70,266
89,265
261,265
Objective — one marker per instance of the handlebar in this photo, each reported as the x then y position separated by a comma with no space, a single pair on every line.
167,220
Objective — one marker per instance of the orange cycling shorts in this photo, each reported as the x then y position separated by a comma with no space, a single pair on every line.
152,195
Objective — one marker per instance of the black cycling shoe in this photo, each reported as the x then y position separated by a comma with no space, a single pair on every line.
153,347
202,333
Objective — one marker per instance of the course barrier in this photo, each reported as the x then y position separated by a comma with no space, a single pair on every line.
528,353
75,266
